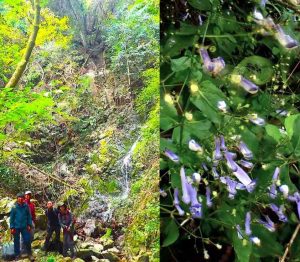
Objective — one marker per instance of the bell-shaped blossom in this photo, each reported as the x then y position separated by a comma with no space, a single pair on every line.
255,240
242,176
162,192
246,84
230,162
171,155
246,164
246,152
208,197
222,143
257,120
284,189
196,178
177,202
284,39
296,198
247,224
268,224
273,191
215,173
215,65
196,207
204,167
217,155
239,232
232,186
279,212
194,146
222,106
184,185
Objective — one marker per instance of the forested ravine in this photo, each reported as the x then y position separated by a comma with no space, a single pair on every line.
80,125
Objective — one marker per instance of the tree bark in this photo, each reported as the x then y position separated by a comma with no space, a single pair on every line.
15,78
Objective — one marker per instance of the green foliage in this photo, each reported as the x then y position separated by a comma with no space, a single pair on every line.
132,36
192,95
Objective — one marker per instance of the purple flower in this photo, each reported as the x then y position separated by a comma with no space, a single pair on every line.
247,224
204,166
279,212
284,189
196,178
255,240
242,176
248,86
206,60
162,192
296,198
215,173
246,152
273,191
230,163
218,65
194,146
268,224
215,65
200,20
246,164
196,207
208,197
232,186
180,210
223,146
217,153
284,39
256,120
184,185
171,155
239,232
177,202
276,174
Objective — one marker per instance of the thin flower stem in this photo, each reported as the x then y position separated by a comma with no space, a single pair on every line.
289,245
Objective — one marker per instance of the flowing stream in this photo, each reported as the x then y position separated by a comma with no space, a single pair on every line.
101,205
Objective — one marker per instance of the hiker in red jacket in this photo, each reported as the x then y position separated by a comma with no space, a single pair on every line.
32,211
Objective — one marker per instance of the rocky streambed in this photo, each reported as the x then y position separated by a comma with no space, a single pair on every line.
94,240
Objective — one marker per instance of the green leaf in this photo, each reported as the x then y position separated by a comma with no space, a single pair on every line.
169,117
257,66
202,5
273,131
242,251
292,125
171,232
207,100
181,63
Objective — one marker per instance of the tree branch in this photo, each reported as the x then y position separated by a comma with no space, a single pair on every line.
30,45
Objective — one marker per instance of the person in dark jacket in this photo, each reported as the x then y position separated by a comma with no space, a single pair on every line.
66,222
21,223
52,226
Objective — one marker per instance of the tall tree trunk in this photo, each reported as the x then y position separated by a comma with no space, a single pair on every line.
30,45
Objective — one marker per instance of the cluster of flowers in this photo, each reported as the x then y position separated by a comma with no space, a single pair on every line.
242,182
274,29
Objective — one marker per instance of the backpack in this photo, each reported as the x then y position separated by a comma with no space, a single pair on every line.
8,252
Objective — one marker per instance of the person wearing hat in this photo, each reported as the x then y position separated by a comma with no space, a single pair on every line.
20,224
32,212
65,218
52,226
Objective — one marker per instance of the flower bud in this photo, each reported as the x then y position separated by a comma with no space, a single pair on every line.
188,116
168,99
194,88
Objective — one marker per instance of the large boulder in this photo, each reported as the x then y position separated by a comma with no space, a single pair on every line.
111,256
41,219
6,204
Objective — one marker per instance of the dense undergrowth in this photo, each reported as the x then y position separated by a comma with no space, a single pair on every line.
84,99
